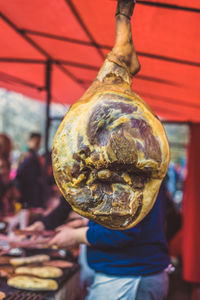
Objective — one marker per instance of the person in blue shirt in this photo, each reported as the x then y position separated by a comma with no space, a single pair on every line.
129,264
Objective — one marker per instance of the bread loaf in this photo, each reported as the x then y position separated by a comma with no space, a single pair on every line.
43,272
32,283
19,261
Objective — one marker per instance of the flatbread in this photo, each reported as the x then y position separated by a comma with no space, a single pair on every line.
32,283
19,261
58,264
43,272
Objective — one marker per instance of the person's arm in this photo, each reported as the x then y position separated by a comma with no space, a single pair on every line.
57,216
54,219
69,237
38,226
96,236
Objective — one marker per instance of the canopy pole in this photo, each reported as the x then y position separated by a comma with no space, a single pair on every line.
48,101
48,73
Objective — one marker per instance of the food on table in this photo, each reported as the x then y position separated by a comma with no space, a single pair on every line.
58,263
44,272
111,153
40,258
4,260
32,283
6,271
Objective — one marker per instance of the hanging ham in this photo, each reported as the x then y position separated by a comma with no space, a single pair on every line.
111,153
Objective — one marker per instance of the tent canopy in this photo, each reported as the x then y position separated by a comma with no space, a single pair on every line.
74,36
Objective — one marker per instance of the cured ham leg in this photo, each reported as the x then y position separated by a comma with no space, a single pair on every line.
110,152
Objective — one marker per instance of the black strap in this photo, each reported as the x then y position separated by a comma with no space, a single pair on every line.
120,13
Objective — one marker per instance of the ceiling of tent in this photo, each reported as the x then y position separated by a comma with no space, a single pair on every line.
76,35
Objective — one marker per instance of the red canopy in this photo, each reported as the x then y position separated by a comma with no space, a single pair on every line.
76,35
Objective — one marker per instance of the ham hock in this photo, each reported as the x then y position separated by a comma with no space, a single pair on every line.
110,153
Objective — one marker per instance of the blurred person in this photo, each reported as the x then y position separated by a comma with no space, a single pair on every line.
173,219
29,176
172,178
52,192
8,192
5,146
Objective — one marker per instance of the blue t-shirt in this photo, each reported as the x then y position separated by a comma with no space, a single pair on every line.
141,250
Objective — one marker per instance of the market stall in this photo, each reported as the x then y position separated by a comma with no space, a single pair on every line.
57,57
